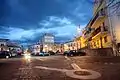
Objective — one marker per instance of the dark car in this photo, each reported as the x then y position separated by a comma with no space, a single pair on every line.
46,54
51,52
37,54
66,53
81,53
74,53
5,54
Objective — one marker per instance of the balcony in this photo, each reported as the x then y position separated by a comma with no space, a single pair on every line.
87,36
99,31
98,19
96,31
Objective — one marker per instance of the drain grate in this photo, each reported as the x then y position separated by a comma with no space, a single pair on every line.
84,73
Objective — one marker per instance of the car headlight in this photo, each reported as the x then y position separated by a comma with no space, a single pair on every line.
27,56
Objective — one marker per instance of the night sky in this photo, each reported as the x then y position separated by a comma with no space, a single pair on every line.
26,20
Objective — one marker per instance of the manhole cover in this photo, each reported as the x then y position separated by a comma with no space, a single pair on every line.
82,73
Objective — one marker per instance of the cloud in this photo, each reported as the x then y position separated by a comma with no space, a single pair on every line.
27,20
63,30
18,33
29,13
80,11
54,21
60,28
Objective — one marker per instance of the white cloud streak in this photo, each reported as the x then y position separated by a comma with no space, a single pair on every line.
65,28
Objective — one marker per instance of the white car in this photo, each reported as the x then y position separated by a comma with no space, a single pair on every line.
13,54
41,54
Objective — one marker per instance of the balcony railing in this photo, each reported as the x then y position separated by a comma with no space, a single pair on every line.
105,28
93,32
98,30
101,13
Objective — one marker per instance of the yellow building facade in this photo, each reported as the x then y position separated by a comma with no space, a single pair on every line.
80,42
97,31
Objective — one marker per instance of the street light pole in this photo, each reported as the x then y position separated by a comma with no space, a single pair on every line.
114,45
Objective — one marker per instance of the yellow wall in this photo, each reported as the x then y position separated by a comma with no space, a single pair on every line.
96,42
81,42
108,43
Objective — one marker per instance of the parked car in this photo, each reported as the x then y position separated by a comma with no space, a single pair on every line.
13,53
19,52
81,53
5,54
58,52
74,53
37,54
51,52
41,54
33,54
66,53
46,54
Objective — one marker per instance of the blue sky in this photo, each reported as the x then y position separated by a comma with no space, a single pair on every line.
26,20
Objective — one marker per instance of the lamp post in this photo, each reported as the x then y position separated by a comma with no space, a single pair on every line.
112,26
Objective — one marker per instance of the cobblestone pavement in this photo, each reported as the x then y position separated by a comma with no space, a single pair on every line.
109,67
20,69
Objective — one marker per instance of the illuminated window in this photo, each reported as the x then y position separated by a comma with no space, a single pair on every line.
97,42
105,39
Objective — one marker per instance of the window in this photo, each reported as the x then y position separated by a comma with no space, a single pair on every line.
94,43
103,24
2,44
105,39
97,42
68,45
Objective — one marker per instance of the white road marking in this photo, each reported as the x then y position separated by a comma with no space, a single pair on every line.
53,69
71,73
24,68
75,66
67,58
106,63
41,59
3,59
111,63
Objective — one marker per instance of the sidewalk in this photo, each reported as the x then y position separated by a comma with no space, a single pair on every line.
109,67
94,59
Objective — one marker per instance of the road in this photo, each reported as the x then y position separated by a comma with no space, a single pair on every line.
60,68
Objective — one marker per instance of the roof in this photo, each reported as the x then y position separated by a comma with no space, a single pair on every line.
69,41
10,44
2,39
48,34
